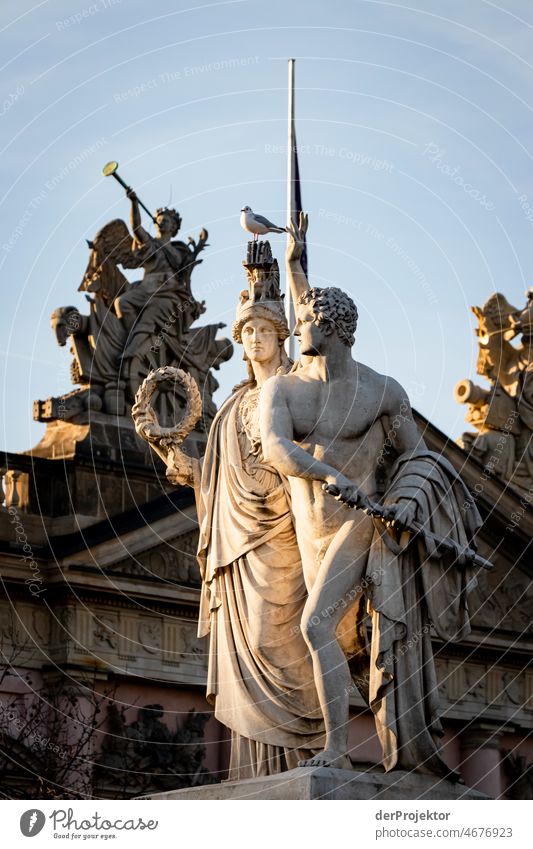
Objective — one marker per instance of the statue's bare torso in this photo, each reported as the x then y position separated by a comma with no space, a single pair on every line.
344,424
339,423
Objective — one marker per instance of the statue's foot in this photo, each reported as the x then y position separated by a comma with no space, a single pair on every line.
329,757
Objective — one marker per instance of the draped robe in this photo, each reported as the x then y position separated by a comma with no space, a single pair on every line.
414,592
260,675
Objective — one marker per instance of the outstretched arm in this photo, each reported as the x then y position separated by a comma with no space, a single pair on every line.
286,456
295,274
140,236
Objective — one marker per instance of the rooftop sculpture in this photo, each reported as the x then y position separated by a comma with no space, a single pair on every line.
132,328
503,413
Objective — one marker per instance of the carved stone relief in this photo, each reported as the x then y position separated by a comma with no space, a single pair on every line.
507,605
105,632
149,634
490,686
174,560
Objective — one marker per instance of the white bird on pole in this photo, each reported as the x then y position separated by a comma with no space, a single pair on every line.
258,224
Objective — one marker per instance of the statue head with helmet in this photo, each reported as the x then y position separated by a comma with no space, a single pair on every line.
260,325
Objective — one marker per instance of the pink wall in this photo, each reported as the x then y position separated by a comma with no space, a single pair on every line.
177,703
478,760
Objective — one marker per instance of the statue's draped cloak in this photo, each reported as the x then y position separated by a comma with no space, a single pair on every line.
260,675
109,336
414,592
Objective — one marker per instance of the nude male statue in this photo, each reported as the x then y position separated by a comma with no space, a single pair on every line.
327,423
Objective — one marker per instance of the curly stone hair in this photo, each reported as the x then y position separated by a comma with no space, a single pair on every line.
172,213
334,307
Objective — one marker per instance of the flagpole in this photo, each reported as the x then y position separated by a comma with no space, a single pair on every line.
291,141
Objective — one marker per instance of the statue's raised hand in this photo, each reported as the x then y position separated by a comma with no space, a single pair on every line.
296,245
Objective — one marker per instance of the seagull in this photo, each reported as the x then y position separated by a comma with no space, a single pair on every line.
258,224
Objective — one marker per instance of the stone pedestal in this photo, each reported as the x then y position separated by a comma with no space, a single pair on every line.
325,783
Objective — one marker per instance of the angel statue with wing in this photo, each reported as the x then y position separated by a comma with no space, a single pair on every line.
167,270
133,328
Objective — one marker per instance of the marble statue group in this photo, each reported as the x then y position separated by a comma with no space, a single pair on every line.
333,544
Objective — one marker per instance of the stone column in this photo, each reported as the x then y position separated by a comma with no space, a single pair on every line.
480,758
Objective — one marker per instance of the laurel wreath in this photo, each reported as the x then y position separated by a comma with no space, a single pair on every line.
145,418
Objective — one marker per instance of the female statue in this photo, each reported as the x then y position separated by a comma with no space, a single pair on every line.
260,677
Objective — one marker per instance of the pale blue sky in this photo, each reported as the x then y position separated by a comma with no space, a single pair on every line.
416,128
